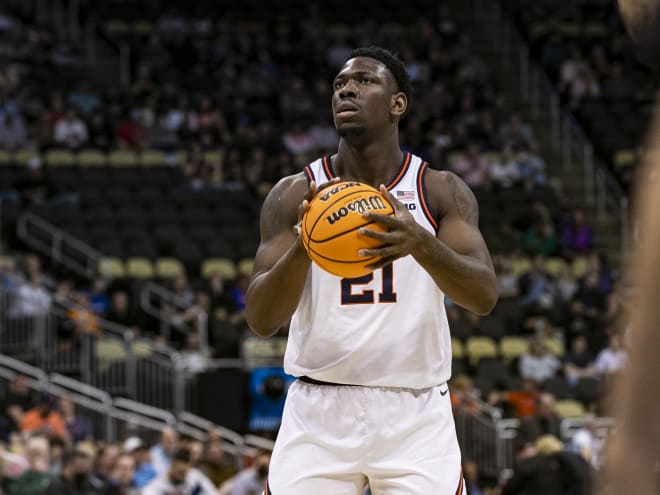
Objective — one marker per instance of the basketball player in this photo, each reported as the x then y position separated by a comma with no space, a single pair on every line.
632,460
373,354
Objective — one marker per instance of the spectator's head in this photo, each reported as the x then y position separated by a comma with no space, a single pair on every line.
179,466
591,280
579,345
32,264
196,449
261,463
76,466
123,470
216,283
19,385
589,422
37,453
106,458
529,386
548,445
169,439
546,405
537,347
120,302
213,454
615,343
471,472
67,408
46,404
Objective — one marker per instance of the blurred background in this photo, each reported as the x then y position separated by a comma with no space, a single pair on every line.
137,142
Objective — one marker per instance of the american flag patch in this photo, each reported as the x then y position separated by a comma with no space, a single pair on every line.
405,195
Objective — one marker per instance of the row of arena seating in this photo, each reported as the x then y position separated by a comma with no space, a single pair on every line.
166,268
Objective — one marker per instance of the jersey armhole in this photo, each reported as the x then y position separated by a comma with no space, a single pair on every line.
423,197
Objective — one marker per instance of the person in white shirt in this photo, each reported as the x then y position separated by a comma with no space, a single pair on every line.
538,364
613,358
71,131
32,299
181,479
161,453
585,442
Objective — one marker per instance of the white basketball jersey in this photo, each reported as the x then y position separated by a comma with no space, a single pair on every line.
386,329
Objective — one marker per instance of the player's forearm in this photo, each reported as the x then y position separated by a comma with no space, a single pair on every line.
273,296
468,282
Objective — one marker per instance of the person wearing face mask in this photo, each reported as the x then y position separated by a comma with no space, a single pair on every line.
251,481
181,479
75,476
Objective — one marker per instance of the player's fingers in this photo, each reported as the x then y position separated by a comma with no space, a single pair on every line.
326,185
377,265
376,234
396,204
311,191
386,220
383,252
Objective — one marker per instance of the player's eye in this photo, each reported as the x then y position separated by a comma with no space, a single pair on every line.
366,80
338,84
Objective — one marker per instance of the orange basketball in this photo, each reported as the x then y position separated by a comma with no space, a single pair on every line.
331,224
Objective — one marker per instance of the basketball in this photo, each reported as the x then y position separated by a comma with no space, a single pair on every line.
330,227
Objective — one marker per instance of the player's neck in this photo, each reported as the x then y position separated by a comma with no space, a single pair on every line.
374,163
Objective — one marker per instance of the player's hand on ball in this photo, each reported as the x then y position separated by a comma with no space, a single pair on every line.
401,238
311,192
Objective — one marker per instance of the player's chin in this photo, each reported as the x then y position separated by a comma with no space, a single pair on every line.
348,129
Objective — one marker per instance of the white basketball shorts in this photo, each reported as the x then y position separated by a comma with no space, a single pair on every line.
336,440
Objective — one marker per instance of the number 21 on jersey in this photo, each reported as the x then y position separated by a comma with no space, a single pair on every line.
350,295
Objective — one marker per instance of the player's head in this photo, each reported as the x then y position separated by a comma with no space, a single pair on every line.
371,91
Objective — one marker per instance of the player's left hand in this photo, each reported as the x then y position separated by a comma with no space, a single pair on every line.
403,236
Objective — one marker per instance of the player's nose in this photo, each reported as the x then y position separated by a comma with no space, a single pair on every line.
348,90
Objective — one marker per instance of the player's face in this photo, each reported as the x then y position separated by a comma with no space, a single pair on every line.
362,97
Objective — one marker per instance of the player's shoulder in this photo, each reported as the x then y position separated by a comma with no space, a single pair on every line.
291,187
445,188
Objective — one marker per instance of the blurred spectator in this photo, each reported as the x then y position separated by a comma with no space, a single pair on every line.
613,358
524,401
472,167
239,290
540,239
131,133
194,357
252,479
32,298
144,469
531,168
83,99
503,171
43,418
473,483
536,289
33,186
161,453
82,316
464,395
182,289
120,311
538,364
105,461
585,441
587,310
579,361
79,428
516,132
549,471
71,131
121,477
566,284
98,297
545,421
214,464
577,237
75,476
35,480
12,132
181,478
297,141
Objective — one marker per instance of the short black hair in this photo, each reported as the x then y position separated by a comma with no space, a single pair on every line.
182,455
394,64
71,455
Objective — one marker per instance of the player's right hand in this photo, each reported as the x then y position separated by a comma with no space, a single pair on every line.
309,195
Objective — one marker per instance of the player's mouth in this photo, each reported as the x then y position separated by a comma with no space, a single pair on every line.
346,109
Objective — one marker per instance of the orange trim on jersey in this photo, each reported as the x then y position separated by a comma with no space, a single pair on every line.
421,188
459,490
402,172
328,168
309,174
266,488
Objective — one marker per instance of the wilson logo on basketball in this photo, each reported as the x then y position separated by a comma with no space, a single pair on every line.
358,206
334,190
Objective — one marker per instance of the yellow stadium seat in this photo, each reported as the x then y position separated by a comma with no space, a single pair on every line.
214,157
479,348
180,157
513,347
457,348
141,349
169,268
5,158
122,158
520,266
57,157
569,408
224,266
579,267
139,268
554,346
491,156
452,157
22,157
109,351
555,265
624,158
90,157
111,268
116,28
150,158
245,266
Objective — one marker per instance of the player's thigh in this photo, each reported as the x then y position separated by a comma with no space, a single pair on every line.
420,479
320,446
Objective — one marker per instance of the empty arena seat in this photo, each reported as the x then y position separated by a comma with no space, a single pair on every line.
111,267
168,268
513,347
569,408
479,348
139,268
224,266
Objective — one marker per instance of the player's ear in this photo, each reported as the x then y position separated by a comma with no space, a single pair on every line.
399,104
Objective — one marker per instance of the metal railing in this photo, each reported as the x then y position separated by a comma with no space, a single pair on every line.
63,248
601,189
116,419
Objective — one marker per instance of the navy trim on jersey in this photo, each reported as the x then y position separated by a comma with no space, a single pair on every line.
423,197
327,167
309,174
